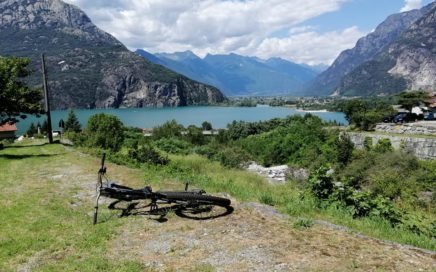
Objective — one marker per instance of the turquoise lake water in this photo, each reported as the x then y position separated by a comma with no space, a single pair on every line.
219,117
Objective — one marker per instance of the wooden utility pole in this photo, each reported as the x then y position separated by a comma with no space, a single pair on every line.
47,102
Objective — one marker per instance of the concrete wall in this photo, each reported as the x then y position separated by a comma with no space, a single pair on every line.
423,148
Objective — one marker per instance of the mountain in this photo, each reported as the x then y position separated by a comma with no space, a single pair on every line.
365,50
235,74
88,68
408,63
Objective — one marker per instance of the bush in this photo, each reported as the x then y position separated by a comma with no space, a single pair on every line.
322,183
344,147
195,136
232,157
170,129
383,146
105,131
367,143
147,154
173,146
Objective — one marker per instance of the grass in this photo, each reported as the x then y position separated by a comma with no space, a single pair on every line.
43,220
38,218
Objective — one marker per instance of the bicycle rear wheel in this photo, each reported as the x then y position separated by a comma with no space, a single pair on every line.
196,198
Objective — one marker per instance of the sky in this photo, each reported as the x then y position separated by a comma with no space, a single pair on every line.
312,32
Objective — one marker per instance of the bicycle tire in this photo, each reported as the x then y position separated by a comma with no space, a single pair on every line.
198,198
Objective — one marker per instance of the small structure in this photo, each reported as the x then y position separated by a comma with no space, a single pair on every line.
7,131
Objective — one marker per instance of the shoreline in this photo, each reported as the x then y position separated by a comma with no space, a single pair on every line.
311,111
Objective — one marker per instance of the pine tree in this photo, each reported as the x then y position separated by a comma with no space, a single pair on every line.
72,123
44,127
32,130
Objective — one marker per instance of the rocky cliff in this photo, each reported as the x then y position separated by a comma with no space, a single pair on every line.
366,48
364,68
88,68
409,62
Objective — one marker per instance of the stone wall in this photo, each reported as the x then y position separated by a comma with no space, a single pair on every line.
421,127
423,148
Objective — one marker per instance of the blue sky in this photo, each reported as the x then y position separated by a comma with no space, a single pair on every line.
304,31
365,14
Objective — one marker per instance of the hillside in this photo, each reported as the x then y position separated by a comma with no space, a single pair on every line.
409,62
49,212
235,74
365,50
88,68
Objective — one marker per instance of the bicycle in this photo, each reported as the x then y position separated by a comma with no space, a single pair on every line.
195,200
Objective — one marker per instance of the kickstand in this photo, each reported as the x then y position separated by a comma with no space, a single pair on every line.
96,208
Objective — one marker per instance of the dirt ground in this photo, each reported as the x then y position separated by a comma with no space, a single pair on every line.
256,238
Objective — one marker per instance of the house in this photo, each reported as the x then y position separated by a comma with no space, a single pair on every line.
431,102
7,131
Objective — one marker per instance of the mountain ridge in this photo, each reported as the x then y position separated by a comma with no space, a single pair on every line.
235,74
87,67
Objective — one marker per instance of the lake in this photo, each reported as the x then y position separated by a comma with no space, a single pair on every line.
219,117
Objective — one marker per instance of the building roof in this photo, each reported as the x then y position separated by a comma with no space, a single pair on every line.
8,127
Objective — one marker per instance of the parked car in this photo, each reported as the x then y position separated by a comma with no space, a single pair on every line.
429,116
388,119
405,117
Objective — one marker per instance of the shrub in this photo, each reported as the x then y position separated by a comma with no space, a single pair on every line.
105,131
173,146
147,154
367,143
344,147
232,157
169,129
195,136
383,146
322,183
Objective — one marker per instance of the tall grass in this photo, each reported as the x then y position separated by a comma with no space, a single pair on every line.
287,198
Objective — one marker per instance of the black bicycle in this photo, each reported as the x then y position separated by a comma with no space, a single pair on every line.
196,200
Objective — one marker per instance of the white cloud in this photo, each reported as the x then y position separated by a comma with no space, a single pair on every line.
221,26
411,4
310,47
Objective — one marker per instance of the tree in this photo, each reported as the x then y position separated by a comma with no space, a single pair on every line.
344,147
16,98
105,131
32,130
206,125
408,100
72,124
44,127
